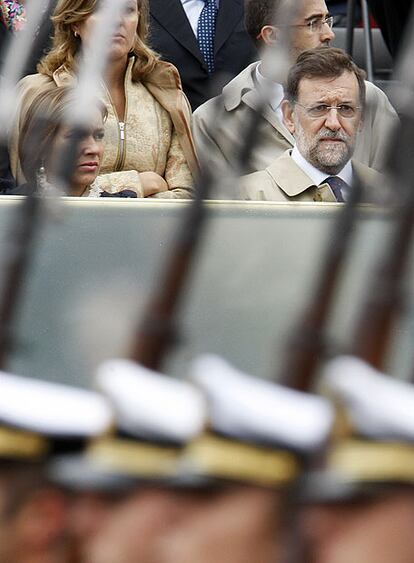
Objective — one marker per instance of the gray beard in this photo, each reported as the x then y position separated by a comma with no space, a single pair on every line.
330,161
327,160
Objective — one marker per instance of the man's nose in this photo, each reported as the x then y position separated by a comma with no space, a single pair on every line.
332,121
319,523
326,35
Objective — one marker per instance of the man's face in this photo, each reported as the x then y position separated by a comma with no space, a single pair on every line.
87,515
32,518
238,525
326,142
379,530
124,35
302,37
135,527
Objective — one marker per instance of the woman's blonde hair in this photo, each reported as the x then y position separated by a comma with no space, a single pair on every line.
68,14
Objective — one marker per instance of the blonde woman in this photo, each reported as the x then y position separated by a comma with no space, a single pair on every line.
149,148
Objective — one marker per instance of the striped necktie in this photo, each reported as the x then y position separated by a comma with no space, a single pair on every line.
206,29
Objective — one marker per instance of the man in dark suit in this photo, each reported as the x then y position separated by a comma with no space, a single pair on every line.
175,34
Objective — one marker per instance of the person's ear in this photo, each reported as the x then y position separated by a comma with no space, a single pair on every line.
288,111
268,35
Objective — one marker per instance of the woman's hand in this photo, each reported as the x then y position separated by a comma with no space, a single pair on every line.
152,183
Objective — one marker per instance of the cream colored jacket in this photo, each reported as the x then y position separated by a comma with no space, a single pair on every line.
156,134
284,180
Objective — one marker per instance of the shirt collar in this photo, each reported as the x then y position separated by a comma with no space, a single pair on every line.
201,2
275,90
317,176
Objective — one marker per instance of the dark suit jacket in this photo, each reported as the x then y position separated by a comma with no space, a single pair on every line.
171,36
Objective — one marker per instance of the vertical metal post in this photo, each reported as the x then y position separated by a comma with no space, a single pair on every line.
369,52
350,22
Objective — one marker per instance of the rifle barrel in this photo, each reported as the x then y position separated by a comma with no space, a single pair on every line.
307,346
158,330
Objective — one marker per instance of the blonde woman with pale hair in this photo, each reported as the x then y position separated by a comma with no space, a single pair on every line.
148,143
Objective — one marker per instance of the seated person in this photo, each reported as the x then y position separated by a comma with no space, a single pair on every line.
178,32
361,496
323,110
148,139
219,142
42,143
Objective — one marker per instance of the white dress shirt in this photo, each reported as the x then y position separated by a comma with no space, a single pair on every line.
193,10
318,177
273,90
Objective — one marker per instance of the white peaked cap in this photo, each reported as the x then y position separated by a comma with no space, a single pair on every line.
51,409
377,405
151,405
252,409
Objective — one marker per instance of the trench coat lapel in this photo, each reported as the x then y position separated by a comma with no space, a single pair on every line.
250,98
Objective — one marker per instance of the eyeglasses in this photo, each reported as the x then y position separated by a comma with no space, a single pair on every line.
322,110
316,25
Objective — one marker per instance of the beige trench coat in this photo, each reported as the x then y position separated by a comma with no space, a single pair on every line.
284,180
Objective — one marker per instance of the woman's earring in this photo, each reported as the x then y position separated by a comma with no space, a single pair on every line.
41,178
76,34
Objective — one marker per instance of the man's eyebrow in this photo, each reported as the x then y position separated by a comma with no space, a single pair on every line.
317,16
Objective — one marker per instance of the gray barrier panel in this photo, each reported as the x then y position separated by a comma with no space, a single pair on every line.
95,266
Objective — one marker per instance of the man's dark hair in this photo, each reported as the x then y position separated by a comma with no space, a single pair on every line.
257,14
323,62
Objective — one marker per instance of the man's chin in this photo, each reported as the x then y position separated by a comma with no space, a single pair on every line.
333,154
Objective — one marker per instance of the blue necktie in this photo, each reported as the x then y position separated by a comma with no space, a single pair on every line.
206,29
337,185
